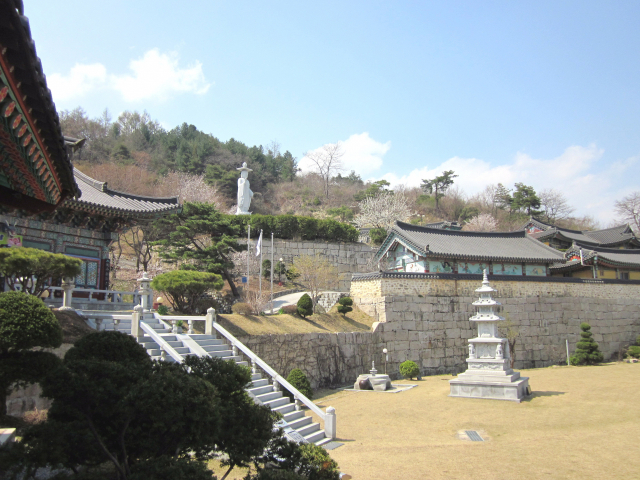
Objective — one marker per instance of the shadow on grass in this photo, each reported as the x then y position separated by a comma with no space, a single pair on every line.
542,394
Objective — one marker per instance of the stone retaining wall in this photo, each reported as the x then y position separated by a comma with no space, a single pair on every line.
349,258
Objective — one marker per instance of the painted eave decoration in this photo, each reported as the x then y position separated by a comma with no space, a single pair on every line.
609,257
35,171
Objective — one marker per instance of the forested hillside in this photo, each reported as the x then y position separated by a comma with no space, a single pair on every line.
135,154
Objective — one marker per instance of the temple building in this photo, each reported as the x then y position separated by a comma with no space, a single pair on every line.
419,249
44,202
84,226
562,238
601,263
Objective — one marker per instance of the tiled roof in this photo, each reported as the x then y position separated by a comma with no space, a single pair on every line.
612,256
96,196
445,225
607,236
488,246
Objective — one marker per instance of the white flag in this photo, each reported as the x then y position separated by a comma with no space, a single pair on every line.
581,258
259,245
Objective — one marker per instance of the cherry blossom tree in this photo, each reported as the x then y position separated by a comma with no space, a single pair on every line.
383,210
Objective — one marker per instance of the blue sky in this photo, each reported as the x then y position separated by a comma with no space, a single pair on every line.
545,93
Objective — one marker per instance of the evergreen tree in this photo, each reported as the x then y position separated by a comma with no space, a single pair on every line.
305,305
587,351
299,380
344,306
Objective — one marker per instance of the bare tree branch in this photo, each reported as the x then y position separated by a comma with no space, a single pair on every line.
327,161
382,211
629,209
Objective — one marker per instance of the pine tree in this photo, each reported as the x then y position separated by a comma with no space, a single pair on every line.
587,351
305,305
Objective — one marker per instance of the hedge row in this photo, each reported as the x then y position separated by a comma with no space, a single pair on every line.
292,226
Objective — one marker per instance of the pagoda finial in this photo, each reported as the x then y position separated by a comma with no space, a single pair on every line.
485,279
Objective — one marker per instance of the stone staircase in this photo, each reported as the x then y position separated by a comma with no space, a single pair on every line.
182,345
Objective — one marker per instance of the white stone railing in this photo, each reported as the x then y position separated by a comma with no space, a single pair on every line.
110,296
96,318
328,418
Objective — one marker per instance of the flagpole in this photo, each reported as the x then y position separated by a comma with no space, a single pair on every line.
271,273
248,253
260,280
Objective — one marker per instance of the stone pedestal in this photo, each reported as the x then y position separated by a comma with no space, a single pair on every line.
373,381
488,373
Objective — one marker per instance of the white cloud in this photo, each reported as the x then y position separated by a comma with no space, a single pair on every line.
572,172
361,153
81,80
154,76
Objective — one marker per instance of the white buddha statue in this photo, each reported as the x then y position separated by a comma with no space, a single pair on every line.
244,192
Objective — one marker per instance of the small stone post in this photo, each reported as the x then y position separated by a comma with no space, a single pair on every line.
145,291
209,319
330,423
136,331
68,285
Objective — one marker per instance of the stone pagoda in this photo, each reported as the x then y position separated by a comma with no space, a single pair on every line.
489,374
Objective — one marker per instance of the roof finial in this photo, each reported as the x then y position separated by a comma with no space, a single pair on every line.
485,279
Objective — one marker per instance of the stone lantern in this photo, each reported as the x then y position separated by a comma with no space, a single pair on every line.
145,291
489,374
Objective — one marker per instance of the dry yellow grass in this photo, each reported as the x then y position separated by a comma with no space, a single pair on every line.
239,325
581,423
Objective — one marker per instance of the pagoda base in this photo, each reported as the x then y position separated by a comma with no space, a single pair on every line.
491,379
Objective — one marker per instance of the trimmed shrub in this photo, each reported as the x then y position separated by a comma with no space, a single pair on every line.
26,322
164,467
163,310
587,351
409,369
344,306
377,235
299,380
305,306
242,308
634,351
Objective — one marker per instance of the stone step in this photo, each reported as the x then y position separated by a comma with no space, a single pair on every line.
261,389
300,422
260,383
208,342
224,354
236,358
293,414
244,364
256,376
278,402
215,348
285,409
315,436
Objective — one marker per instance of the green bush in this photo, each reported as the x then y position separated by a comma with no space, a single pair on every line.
184,288
409,369
166,467
587,351
292,273
290,309
26,322
163,310
344,306
634,351
242,308
377,235
299,380
305,305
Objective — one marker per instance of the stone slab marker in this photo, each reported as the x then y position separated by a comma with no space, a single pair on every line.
488,374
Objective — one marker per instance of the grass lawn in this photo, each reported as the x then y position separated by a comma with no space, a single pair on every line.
581,423
355,321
